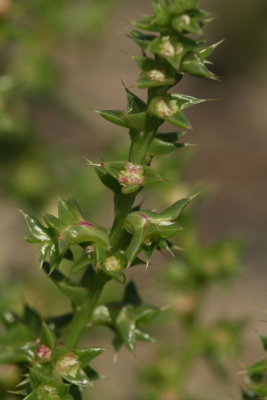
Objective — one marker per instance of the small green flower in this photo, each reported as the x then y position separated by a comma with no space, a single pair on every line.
132,175
68,365
165,109
112,264
44,353
156,75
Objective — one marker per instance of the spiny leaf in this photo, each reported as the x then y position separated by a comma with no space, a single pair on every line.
53,222
134,103
67,213
75,293
180,6
135,245
47,336
85,356
37,230
174,211
126,327
193,65
131,295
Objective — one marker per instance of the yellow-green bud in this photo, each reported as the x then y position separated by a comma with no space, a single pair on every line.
166,47
184,20
68,365
166,110
112,264
156,75
132,175
47,392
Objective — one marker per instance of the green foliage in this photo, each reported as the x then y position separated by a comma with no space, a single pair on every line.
32,33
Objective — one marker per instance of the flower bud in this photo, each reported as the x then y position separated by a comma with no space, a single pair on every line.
166,47
47,392
68,365
132,175
165,109
44,353
184,20
156,75
112,264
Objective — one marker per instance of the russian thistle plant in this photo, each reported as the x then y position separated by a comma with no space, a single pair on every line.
48,352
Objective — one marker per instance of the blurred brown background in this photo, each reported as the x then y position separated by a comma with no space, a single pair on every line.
230,161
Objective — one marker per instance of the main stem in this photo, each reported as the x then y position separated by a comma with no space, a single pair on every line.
83,314
123,206
189,353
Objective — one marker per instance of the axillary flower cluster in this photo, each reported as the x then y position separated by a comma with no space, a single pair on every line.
172,45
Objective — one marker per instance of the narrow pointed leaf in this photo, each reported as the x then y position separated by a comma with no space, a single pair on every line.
143,336
100,252
119,276
47,336
53,222
67,213
134,103
37,230
76,294
101,316
206,51
193,65
143,314
142,40
115,117
109,181
80,378
135,245
136,121
174,211
32,319
126,327
85,356
179,6
13,356
131,295
81,264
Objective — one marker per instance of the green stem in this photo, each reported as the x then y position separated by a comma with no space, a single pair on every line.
124,202
140,157
123,205
135,143
189,353
83,314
